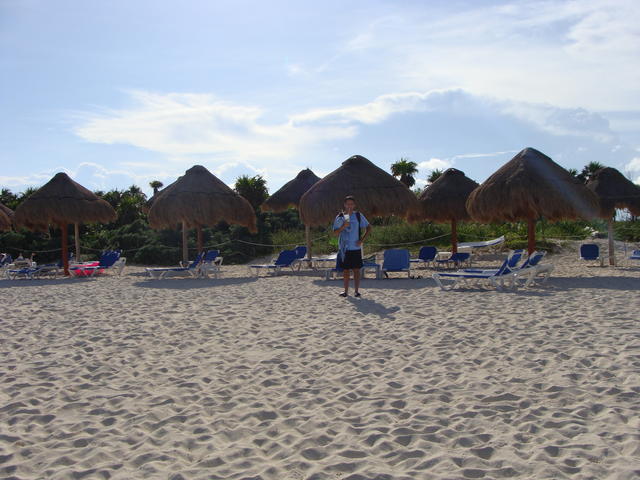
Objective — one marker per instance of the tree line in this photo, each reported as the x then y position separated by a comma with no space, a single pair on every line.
406,170
143,245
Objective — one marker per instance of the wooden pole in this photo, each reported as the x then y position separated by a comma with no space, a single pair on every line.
185,244
531,235
65,248
200,242
454,236
612,252
76,237
307,237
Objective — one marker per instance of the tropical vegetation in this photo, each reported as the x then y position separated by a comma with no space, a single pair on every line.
143,245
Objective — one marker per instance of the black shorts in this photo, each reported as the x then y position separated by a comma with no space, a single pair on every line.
351,261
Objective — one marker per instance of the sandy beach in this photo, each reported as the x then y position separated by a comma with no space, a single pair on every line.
279,378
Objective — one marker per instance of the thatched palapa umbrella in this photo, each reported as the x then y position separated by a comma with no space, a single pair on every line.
290,194
377,193
198,199
445,200
614,190
528,187
5,218
62,201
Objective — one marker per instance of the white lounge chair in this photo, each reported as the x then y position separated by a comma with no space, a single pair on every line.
495,277
192,269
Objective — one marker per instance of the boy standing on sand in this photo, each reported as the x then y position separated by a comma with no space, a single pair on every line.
348,226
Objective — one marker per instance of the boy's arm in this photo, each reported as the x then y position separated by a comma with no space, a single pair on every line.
366,234
338,230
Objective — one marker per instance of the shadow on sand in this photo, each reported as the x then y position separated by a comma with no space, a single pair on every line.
367,306
383,284
36,282
191,283
596,283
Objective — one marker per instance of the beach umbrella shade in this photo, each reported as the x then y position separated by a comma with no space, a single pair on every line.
528,187
614,190
59,202
199,199
377,193
289,195
6,215
445,200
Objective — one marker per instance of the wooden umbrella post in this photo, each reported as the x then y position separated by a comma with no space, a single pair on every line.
200,242
76,237
531,235
185,244
454,236
65,248
612,252
307,237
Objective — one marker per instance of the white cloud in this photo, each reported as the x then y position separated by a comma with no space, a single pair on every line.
435,164
198,124
380,108
556,51
634,165
232,139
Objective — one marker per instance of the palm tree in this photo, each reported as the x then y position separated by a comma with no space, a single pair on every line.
405,169
156,185
434,175
573,172
254,189
588,170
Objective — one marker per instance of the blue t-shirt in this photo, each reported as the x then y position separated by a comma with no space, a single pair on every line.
349,236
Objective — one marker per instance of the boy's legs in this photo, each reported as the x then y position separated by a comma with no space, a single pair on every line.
356,280
345,280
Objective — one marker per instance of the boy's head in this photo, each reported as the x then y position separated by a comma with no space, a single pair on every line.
349,202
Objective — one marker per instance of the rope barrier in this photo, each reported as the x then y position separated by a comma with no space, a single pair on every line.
407,243
228,242
278,245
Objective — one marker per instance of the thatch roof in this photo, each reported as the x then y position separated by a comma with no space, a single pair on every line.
291,192
146,207
61,200
446,198
5,218
377,193
199,198
530,186
614,190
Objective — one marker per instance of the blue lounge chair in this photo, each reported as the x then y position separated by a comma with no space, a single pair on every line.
108,259
193,269
211,264
495,278
368,263
590,252
457,259
31,272
426,256
286,258
7,260
532,268
512,262
5,263
396,260
301,252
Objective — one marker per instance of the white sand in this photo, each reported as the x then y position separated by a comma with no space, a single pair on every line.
279,378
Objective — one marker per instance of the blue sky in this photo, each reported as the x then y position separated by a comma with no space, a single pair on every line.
124,92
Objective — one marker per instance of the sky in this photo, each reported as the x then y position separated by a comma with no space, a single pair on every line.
125,92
